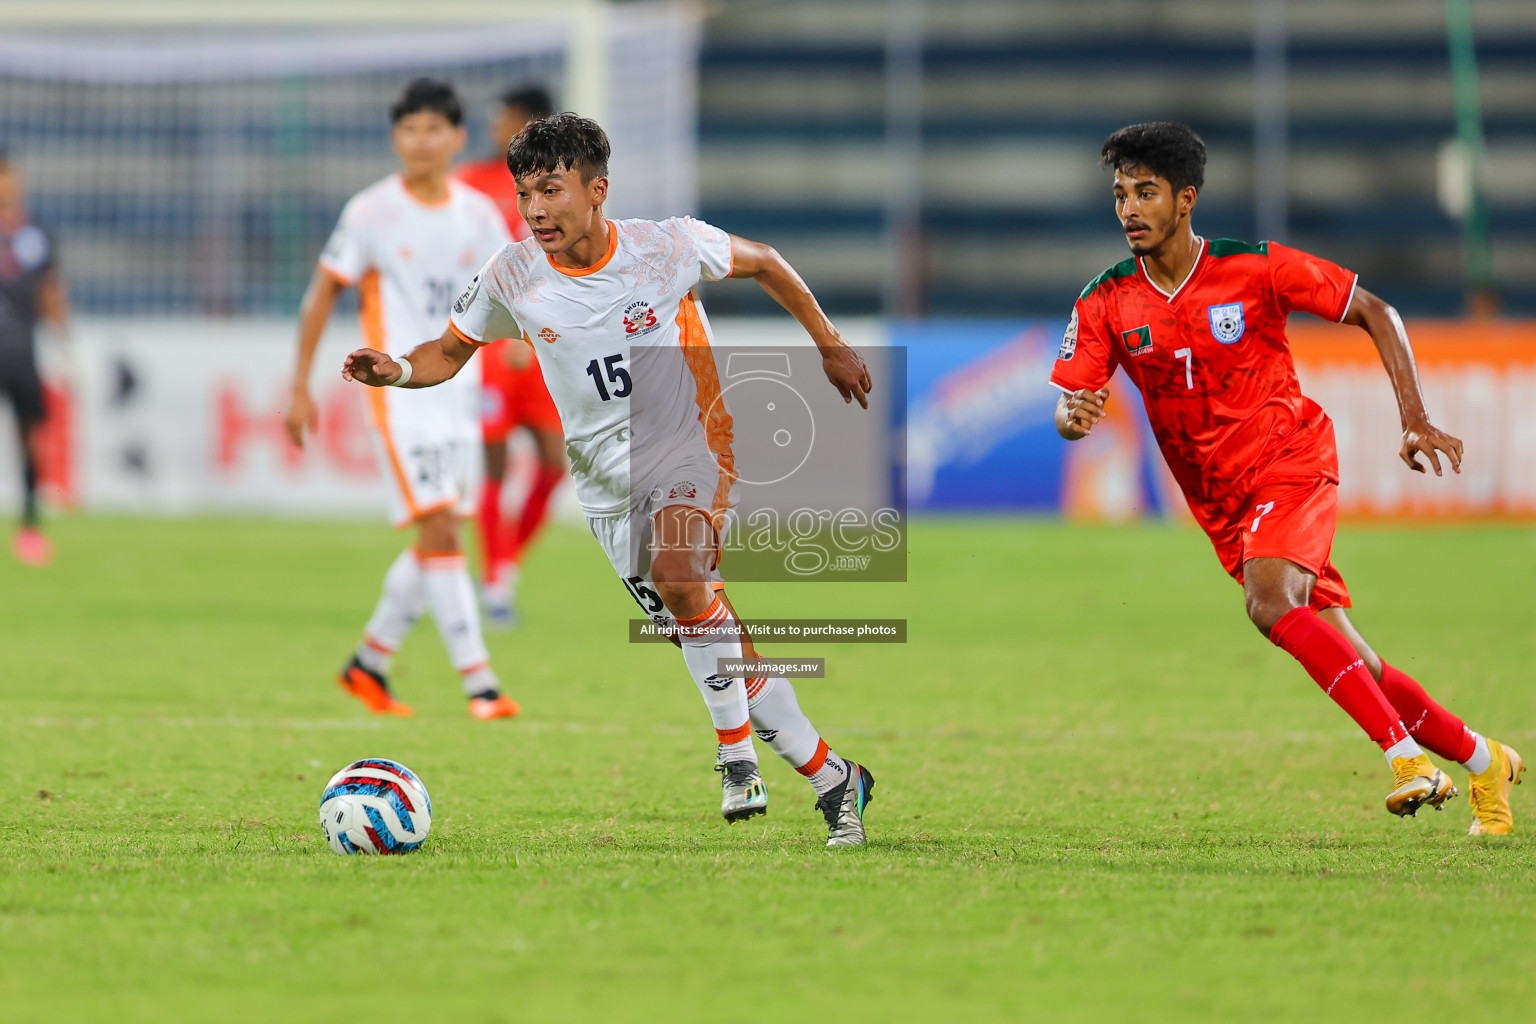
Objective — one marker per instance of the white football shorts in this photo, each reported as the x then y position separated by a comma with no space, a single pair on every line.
627,538
428,470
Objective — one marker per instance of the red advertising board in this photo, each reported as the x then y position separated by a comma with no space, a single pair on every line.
1479,385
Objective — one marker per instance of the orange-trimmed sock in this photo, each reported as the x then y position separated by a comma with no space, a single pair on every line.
706,638
400,605
451,596
779,722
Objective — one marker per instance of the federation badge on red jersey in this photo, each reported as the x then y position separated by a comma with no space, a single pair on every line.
1227,322
1139,341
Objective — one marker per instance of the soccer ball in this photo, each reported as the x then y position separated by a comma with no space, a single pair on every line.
375,806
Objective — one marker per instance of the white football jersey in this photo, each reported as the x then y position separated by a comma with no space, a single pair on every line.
624,348
409,259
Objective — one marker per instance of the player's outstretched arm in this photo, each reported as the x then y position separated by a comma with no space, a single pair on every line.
1420,437
314,311
432,362
1078,411
844,366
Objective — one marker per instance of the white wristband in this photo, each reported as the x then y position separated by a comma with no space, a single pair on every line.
405,373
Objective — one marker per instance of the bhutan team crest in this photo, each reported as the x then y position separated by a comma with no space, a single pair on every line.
639,318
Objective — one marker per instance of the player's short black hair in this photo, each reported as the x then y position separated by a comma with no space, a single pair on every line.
432,94
560,142
533,100
1168,149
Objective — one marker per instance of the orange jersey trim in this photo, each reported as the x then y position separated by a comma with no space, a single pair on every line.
429,203
464,337
335,275
371,315
370,310
613,247
712,413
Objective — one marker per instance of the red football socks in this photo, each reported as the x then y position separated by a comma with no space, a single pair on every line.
1436,728
1340,671
490,529
535,508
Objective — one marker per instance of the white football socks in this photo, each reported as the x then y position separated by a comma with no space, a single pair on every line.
451,597
501,589
1404,747
1481,757
400,605
779,722
706,639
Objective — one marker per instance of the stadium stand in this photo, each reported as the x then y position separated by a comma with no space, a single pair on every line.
1018,97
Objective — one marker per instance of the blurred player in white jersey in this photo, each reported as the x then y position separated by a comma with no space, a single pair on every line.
514,390
406,243
608,307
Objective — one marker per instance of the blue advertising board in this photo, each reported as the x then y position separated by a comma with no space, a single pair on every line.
981,434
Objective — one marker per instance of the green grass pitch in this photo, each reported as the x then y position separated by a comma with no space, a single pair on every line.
1102,795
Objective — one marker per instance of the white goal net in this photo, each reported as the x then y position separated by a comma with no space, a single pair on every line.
197,170
191,168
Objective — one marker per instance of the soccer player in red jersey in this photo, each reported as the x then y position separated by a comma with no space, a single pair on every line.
513,386
1199,327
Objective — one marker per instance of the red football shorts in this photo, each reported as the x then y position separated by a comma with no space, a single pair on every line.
513,396
1292,518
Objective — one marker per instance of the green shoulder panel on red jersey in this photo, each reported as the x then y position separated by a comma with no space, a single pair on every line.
1220,247
1125,268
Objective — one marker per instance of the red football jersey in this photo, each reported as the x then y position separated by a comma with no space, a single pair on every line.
1213,364
492,178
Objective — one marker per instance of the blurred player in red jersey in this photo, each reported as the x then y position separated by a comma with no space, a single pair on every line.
514,390
1199,327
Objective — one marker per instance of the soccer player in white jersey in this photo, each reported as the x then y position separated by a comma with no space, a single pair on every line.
609,309
406,243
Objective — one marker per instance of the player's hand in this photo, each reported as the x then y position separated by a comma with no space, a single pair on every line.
301,415
367,366
1422,438
846,370
1085,408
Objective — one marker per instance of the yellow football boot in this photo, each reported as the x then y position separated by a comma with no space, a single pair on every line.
1490,792
1418,783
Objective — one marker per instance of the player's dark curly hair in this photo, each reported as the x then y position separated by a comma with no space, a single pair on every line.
1170,150
560,142
432,94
